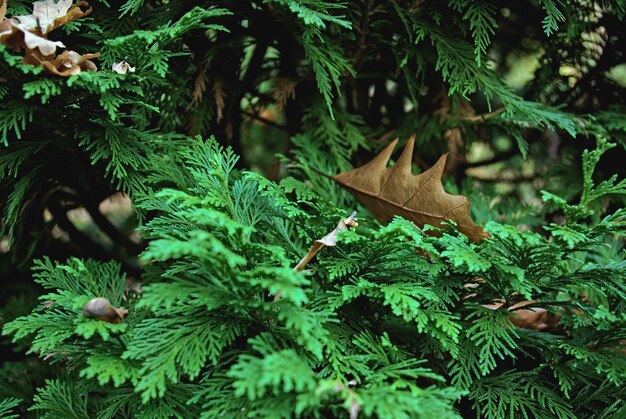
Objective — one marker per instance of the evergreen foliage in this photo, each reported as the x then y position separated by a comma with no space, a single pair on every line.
224,138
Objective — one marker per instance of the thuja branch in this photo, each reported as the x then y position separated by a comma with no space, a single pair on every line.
483,117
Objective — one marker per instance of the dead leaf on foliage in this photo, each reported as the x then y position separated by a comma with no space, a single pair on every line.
3,9
389,191
328,240
70,62
535,318
48,15
219,95
29,33
14,35
122,67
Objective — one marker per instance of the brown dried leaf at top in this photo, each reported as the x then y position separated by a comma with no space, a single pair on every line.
29,33
69,63
49,15
389,191
19,39
3,9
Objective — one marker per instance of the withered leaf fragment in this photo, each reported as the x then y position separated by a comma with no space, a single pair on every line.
389,191
122,67
328,240
49,15
29,33
535,318
3,9
69,63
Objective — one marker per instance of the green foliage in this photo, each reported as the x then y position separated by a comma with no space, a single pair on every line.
392,321
553,16
214,270
6,407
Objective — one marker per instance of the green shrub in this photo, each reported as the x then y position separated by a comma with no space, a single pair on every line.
390,321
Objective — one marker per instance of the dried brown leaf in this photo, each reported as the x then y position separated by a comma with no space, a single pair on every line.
49,15
75,12
199,87
387,192
219,95
535,318
328,240
3,9
284,89
14,35
29,33
69,63
44,46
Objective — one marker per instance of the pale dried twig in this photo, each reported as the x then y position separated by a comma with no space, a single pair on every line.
328,240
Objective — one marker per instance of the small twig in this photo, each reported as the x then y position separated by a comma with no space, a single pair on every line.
354,405
264,120
328,240
495,159
110,230
517,179
481,118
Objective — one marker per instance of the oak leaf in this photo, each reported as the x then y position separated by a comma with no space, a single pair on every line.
389,191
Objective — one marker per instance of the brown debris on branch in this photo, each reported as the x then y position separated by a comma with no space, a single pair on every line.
30,34
328,240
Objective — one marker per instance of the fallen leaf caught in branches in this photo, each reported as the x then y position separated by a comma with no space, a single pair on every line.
389,191
69,63
535,318
29,33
